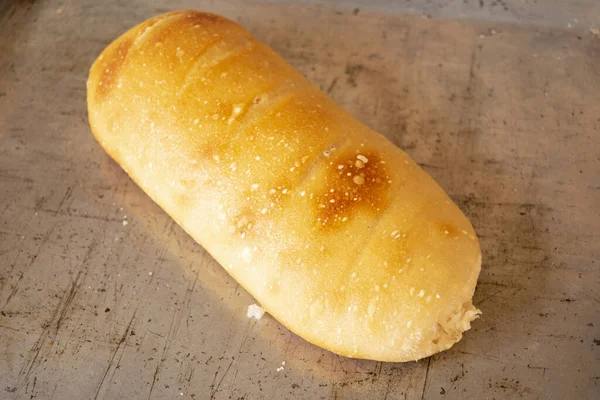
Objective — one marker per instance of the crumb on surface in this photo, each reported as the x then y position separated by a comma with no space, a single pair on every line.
282,367
255,311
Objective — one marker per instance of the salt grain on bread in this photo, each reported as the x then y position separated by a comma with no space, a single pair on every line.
334,230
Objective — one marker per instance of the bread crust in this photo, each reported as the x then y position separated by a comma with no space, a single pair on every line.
334,230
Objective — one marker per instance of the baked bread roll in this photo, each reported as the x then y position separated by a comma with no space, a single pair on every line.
335,231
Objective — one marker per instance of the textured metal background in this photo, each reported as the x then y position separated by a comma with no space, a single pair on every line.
498,100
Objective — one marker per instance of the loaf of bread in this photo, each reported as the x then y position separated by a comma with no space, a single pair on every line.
335,231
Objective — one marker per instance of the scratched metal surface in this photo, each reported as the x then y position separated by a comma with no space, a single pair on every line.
505,115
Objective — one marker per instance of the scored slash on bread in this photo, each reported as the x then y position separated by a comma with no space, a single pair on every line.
335,231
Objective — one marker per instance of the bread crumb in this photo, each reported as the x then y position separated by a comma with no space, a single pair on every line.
255,311
282,366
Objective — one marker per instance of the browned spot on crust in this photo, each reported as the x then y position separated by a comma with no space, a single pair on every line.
448,230
111,65
356,182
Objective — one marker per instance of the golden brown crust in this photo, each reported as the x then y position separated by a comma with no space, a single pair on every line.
354,181
109,68
336,232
